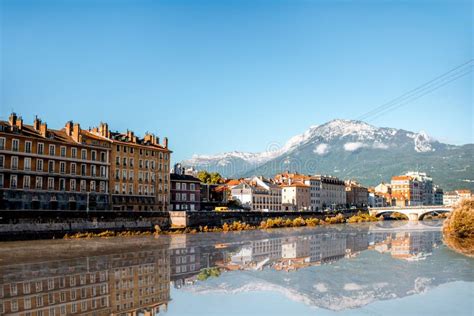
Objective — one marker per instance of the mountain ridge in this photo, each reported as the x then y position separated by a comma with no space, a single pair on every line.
348,149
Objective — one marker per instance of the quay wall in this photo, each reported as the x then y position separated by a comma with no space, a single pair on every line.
217,219
38,224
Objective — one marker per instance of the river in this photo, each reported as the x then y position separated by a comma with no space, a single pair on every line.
383,268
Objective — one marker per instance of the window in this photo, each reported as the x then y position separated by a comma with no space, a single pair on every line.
13,181
62,167
13,289
62,297
178,186
27,163
62,151
26,182
92,186
39,183
117,160
62,184
2,143
27,303
83,169
93,155
50,183
1,180
84,154
40,149
130,175
72,185
117,174
131,162
83,185
52,150
124,174
192,197
39,165
192,187
51,166
140,163
39,301
102,186
124,188
118,147
26,288
73,168
102,156
2,161
184,186
124,161
14,305
39,286
14,164
15,144
93,170
74,152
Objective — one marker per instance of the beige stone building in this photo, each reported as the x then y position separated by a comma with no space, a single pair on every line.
295,197
139,170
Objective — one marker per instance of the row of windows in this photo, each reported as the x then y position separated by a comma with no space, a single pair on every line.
94,171
51,184
142,189
142,151
62,310
52,284
147,164
183,197
183,186
40,149
142,176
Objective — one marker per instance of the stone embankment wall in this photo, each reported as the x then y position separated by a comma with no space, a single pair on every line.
217,219
30,224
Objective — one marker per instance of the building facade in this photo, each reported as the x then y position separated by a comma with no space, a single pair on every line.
406,191
295,197
426,186
258,194
139,170
333,192
185,191
42,168
356,194
453,198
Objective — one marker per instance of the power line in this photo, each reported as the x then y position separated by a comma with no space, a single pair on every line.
427,85
416,97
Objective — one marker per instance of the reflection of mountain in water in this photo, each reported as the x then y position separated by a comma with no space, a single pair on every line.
334,267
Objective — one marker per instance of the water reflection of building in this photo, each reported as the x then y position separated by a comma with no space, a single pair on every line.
184,261
414,245
139,282
135,283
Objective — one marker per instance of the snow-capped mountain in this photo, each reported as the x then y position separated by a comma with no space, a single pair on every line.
349,148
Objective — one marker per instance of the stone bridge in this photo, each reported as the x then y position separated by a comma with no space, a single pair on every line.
414,213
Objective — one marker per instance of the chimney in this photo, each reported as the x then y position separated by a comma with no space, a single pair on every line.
104,130
19,123
12,119
44,129
165,142
36,123
68,128
76,132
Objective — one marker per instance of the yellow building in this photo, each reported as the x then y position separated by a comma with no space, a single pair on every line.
139,171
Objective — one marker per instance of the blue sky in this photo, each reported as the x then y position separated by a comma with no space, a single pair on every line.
216,76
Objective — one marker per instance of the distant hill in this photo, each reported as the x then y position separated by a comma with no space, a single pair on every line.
353,149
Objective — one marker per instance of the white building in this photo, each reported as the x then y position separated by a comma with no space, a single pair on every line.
332,192
426,186
455,197
258,194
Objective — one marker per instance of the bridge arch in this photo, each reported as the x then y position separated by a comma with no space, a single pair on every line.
422,215
386,212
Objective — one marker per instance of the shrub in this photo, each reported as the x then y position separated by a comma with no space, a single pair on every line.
458,228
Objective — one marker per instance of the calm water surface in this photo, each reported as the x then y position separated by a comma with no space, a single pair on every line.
387,268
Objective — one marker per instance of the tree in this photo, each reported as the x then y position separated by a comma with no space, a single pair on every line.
209,178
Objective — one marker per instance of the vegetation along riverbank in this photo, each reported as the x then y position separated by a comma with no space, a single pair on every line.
458,228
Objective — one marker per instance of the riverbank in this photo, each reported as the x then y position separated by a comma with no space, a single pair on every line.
271,223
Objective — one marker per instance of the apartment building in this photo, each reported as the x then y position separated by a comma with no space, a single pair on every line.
333,192
426,186
139,170
312,182
258,194
295,197
453,198
406,191
356,194
185,191
43,168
